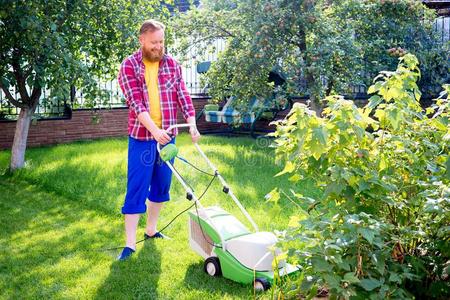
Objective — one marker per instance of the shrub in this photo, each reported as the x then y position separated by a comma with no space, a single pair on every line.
379,227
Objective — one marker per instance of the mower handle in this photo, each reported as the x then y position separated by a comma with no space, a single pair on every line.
210,164
168,130
180,126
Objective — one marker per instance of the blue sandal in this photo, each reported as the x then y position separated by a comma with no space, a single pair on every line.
157,235
126,252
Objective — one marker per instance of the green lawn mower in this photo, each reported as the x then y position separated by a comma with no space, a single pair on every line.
229,248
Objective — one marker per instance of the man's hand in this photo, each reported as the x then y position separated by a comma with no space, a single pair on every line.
195,135
161,136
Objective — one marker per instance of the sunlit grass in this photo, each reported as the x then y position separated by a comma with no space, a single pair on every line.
66,204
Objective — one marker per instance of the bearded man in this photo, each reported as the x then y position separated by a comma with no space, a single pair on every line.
152,84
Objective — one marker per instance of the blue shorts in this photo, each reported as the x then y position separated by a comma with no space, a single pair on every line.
148,176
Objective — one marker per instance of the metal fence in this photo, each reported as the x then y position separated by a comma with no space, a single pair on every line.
112,96
442,27
49,107
191,77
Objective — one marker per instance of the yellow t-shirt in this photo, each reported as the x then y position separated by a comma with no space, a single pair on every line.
151,80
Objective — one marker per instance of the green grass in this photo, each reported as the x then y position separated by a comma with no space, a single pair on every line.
66,203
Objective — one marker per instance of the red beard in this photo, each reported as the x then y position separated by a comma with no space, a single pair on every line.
152,55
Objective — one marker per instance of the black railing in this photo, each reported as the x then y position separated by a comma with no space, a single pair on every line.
51,107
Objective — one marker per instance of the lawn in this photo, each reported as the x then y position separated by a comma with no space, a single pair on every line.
66,204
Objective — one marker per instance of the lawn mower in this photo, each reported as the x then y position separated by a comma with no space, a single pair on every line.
228,246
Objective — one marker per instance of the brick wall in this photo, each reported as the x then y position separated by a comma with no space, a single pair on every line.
86,124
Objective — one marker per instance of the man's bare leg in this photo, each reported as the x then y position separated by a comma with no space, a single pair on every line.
153,209
131,223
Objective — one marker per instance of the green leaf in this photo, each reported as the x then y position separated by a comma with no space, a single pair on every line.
429,110
320,264
321,134
447,166
312,292
374,101
332,280
369,284
295,178
350,278
371,89
439,125
344,265
383,163
273,196
417,94
395,278
446,137
5,82
316,150
293,221
333,246
380,265
288,168
393,93
318,141
367,234
380,115
375,87
394,118
334,188
362,185
359,131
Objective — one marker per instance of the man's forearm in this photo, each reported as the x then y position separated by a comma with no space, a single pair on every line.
190,120
148,123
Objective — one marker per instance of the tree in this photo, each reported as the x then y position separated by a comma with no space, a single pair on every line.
56,44
323,46
387,29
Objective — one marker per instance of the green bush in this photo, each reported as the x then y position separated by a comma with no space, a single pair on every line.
379,228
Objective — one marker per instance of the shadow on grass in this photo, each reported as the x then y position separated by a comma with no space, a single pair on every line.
48,249
47,244
197,279
134,278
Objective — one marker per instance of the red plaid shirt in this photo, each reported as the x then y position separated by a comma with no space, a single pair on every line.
172,90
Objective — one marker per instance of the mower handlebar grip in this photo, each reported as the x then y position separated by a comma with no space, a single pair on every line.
180,126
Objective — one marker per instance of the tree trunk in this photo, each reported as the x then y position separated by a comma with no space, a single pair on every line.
314,101
20,139
315,105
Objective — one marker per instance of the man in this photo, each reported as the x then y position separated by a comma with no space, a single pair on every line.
153,86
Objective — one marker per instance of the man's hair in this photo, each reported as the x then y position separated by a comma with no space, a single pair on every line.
151,26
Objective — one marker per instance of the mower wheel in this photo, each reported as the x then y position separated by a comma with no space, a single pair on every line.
212,266
261,284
